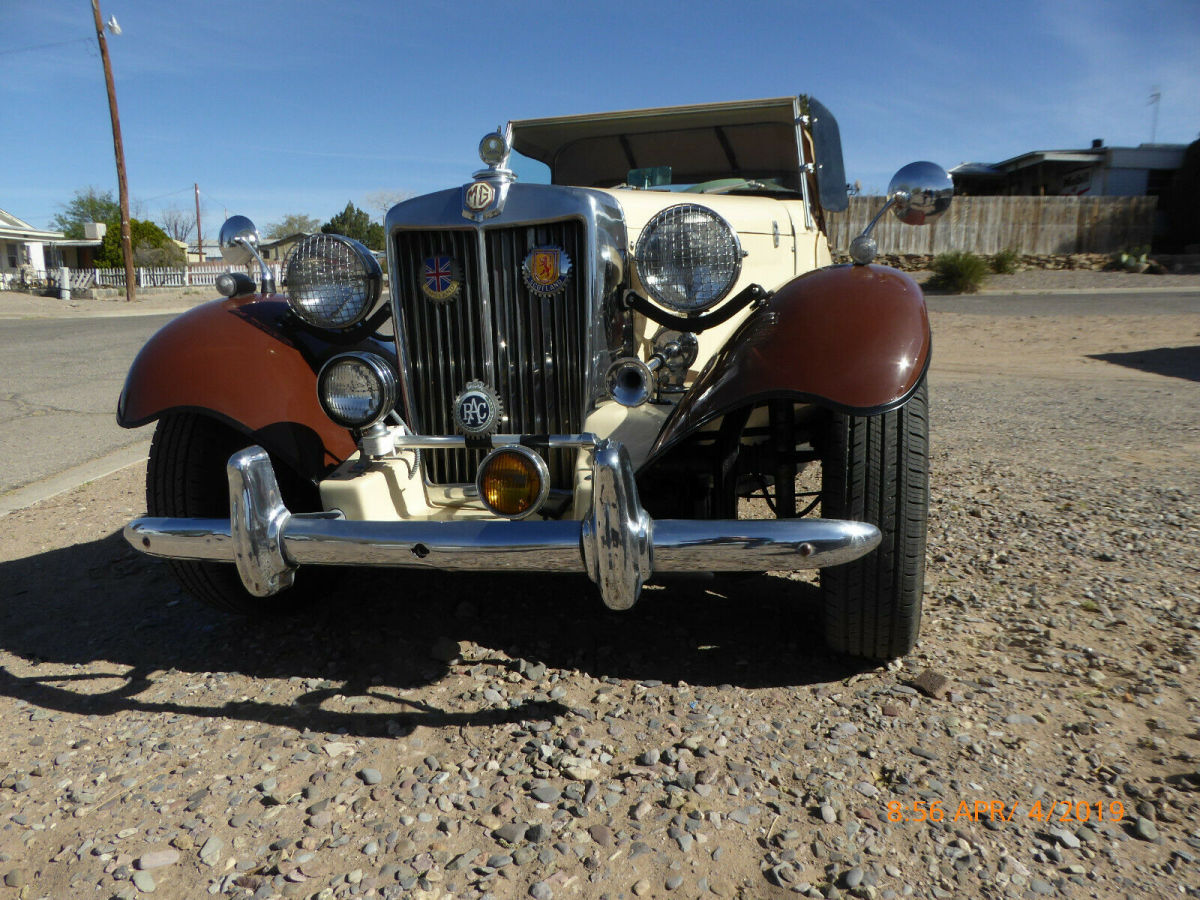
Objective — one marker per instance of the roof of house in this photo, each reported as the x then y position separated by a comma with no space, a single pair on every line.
290,239
17,229
1155,154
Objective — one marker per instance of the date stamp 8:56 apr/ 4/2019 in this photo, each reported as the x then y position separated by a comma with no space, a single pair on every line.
978,810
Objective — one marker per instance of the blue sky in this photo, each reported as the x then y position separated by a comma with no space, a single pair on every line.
296,106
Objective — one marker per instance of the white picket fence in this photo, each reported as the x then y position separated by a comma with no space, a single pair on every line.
202,275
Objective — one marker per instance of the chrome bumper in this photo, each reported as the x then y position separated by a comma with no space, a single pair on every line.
618,546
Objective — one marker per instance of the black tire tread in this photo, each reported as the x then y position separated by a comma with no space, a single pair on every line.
876,469
185,476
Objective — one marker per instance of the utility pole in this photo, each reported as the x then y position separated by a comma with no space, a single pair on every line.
1155,99
119,151
199,237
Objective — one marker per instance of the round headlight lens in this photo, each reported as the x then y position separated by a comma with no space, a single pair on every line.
688,257
332,281
356,389
513,482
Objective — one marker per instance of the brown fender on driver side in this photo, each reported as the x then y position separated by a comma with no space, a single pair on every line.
235,360
851,338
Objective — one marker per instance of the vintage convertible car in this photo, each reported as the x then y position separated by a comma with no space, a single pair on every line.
595,375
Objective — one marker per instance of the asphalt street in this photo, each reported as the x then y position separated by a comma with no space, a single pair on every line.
1118,303
58,398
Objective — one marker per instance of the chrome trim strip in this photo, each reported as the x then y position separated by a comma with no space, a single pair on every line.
801,122
485,307
585,441
618,546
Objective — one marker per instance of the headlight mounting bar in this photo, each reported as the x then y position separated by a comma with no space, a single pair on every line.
752,294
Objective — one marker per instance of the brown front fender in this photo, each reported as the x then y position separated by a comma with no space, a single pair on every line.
236,360
851,338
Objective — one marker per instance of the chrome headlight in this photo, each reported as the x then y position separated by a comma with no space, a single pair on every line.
332,281
688,257
356,389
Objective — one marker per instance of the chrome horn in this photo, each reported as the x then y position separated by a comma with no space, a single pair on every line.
630,381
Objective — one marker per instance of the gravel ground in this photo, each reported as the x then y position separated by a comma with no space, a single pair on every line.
434,736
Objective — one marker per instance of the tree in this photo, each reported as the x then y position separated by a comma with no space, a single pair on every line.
384,199
353,222
88,205
151,246
293,223
177,223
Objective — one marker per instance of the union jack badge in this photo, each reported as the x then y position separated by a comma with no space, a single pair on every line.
440,278
546,270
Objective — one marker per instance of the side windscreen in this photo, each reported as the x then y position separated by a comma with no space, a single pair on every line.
831,171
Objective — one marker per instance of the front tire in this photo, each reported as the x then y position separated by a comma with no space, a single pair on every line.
876,469
185,477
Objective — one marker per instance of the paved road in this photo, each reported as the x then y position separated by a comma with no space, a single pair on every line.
1049,304
58,397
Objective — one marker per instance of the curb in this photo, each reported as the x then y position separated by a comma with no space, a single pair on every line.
29,494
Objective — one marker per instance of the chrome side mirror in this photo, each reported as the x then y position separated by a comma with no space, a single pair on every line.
239,246
921,192
238,236
917,194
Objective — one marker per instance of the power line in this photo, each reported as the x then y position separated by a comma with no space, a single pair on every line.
12,51
161,196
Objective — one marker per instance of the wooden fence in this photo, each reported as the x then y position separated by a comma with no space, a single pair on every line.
1028,225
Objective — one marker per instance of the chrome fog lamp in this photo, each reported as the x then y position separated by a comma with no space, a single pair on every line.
688,258
356,389
513,482
332,281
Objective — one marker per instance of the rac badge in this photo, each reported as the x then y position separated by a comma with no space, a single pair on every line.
479,196
477,409
546,270
440,278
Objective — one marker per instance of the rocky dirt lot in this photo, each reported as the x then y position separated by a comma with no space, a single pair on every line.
434,736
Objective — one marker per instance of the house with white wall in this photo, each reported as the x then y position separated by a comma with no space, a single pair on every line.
22,247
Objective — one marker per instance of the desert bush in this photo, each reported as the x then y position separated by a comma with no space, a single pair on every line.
1005,262
959,272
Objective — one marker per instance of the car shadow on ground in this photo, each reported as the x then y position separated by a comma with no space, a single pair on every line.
120,615
1175,362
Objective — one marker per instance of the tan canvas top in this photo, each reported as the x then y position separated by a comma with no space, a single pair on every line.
748,138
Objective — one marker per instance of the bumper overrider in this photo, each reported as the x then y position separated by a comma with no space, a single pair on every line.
618,545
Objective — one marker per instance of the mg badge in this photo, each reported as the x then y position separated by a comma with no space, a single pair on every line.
440,278
477,409
479,196
546,270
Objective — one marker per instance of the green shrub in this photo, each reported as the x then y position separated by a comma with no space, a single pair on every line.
1005,262
959,272
151,246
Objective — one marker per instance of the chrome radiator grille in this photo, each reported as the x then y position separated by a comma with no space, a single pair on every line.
538,345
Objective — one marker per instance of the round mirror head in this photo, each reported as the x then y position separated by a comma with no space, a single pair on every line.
235,234
922,191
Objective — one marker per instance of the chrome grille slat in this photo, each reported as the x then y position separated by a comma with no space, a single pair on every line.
454,342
